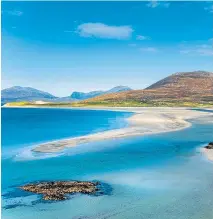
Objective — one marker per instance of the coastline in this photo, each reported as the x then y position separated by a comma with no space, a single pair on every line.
144,121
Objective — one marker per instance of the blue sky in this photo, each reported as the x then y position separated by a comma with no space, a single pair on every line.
60,47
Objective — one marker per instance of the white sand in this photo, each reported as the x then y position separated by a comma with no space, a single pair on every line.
40,102
144,121
208,153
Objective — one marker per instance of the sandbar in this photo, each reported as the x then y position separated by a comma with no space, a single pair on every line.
146,120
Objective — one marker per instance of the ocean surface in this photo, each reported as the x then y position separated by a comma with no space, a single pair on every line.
161,176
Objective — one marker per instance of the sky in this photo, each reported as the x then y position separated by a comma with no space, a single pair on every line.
61,47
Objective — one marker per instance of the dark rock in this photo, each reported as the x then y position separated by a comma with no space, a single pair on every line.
57,190
209,146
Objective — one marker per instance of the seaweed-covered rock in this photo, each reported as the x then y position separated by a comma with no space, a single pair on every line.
57,190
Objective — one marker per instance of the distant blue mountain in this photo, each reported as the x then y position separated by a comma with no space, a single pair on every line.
18,93
82,96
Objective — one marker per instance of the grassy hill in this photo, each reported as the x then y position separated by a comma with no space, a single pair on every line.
180,89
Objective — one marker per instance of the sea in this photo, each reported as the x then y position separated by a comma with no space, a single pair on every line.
159,176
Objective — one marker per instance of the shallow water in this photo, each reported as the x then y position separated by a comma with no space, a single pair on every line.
157,176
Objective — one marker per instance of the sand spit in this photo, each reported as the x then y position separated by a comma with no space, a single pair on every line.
144,121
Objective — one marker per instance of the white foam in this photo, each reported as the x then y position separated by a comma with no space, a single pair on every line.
26,153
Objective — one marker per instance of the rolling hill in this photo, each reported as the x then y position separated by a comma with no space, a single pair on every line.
18,93
179,89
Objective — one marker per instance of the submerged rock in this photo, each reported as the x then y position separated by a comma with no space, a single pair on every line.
209,146
57,190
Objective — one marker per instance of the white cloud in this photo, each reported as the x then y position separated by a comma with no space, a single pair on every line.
205,50
149,49
140,37
13,13
155,4
202,50
101,30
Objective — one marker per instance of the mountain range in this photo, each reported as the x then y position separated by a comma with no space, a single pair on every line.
182,88
18,93
179,89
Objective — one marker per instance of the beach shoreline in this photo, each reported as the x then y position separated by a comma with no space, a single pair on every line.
144,121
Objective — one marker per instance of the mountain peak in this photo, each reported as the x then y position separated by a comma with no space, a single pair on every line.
198,73
18,93
185,81
16,87
83,96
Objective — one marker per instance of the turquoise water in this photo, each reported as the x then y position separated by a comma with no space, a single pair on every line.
158,176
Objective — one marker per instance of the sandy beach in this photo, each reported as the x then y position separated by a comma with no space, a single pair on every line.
144,121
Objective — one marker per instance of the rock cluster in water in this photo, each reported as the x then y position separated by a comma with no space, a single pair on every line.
57,190
209,146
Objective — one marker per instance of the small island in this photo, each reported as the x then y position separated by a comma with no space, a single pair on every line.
57,190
